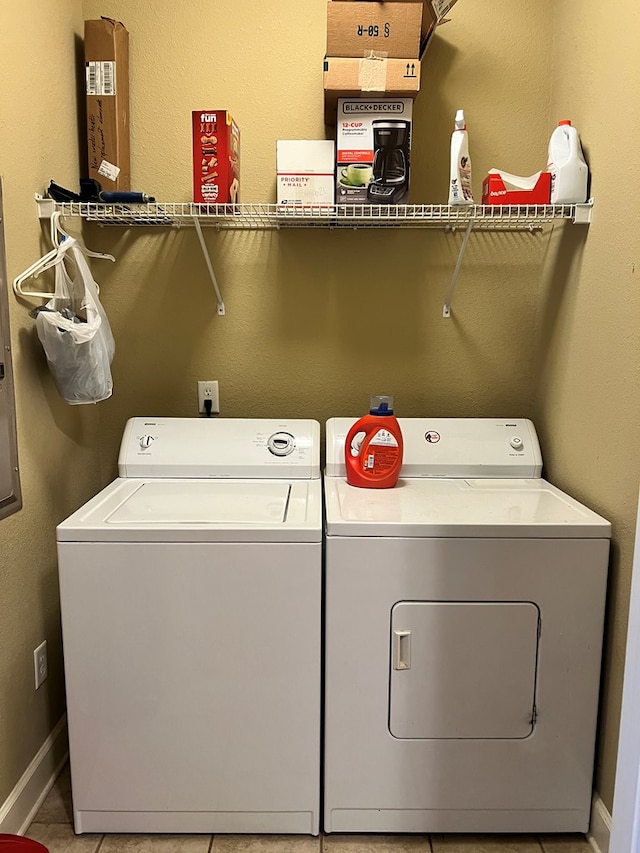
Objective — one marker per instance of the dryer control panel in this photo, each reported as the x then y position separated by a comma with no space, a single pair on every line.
453,447
230,447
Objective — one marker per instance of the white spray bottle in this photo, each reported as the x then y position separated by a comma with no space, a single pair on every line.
460,179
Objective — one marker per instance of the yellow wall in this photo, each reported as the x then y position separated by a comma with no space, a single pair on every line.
317,321
57,445
588,365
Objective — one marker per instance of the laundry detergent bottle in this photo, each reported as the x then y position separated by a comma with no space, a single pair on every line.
373,447
569,171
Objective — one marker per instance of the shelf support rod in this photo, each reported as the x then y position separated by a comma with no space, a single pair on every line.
446,309
207,261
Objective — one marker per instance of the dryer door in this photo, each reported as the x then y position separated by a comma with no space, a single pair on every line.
463,669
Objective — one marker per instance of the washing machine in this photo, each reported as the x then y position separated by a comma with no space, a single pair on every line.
191,614
463,633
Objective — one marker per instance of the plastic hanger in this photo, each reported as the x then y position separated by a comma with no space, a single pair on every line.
58,237
34,270
44,262
55,228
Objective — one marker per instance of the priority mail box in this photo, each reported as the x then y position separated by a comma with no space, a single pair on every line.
434,12
387,29
106,54
305,172
371,77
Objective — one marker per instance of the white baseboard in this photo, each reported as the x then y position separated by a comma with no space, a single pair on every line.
600,826
22,804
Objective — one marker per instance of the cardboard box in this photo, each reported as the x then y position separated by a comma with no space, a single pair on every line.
106,54
216,157
387,29
434,13
369,78
355,147
503,188
305,172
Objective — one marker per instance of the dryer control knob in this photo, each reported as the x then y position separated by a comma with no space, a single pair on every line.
146,441
517,443
281,443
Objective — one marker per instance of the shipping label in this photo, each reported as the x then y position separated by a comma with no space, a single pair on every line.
101,78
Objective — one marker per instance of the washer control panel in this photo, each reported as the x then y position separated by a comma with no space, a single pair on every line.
454,447
230,447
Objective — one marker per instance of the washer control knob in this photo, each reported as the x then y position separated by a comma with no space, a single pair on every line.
281,443
517,443
146,441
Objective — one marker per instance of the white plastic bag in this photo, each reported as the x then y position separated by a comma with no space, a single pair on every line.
74,331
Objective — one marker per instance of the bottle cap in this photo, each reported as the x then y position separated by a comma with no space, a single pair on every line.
382,405
564,121
460,124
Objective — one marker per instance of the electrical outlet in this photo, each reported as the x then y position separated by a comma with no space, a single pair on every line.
40,665
208,390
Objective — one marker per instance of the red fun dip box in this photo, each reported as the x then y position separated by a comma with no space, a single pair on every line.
216,157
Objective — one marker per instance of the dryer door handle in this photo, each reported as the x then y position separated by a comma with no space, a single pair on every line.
402,649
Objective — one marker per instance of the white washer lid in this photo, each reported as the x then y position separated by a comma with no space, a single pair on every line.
242,502
506,508
195,510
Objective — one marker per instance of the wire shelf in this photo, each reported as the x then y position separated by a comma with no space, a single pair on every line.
273,216
262,217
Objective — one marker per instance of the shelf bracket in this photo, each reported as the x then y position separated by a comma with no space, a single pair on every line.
46,207
207,261
582,214
446,308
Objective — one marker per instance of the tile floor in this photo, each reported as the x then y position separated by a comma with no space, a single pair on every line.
53,827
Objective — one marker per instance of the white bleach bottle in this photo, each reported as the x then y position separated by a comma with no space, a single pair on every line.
569,172
460,191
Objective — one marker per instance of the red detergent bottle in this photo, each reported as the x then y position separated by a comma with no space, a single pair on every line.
373,447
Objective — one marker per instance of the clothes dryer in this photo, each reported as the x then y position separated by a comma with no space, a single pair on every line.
191,614
464,619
